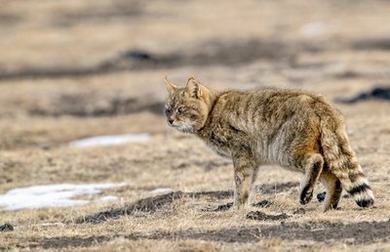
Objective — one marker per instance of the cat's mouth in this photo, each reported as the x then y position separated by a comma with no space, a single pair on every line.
186,129
183,127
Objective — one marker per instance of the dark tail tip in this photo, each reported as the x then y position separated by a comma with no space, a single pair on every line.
365,202
362,194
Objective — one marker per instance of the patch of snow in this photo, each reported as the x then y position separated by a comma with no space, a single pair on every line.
109,198
110,140
314,29
161,191
56,195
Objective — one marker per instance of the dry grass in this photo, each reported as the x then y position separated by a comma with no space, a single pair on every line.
40,116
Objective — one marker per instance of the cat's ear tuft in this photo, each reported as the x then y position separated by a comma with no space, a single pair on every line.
194,88
169,85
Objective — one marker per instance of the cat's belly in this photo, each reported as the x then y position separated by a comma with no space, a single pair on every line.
273,153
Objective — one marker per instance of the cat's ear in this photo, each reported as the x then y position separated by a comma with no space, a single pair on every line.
169,85
194,88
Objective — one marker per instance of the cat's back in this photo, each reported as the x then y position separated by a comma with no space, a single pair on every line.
273,106
249,101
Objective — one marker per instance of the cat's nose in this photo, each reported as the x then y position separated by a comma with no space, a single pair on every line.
170,120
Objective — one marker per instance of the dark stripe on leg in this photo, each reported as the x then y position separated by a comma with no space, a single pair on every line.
337,194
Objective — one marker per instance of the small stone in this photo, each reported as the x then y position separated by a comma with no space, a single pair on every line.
263,203
219,208
138,55
6,227
257,215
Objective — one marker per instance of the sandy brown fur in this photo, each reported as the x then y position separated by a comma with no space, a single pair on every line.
293,129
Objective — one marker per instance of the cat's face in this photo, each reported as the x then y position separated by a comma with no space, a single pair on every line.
187,108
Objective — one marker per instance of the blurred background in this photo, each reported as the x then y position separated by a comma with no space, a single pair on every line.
71,69
81,101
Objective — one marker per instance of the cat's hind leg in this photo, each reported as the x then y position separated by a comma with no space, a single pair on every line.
312,164
333,190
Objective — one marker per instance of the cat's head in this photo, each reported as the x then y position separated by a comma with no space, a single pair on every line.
187,108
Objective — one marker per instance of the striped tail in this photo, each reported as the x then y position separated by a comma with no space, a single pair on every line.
342,162
358,187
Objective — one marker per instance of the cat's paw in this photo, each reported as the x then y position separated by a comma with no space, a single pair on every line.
305,196
321,196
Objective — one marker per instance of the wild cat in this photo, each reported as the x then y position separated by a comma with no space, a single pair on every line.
293,129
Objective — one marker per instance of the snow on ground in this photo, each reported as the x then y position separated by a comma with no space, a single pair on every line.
314,29
159,191
110,140
55,195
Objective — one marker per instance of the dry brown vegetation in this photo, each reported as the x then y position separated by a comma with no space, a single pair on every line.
71,69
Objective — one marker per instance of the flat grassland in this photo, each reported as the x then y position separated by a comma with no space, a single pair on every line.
72,69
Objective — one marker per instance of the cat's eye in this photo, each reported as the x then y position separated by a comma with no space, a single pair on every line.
179,110
168,110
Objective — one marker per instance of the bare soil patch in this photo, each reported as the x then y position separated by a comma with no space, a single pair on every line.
374,43
96,105
150,205
161,202
100,13
352,233
208,53
376,93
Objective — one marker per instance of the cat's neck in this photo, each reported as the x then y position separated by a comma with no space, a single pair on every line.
211,100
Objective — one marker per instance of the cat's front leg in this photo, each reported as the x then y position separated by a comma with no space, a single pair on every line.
244,173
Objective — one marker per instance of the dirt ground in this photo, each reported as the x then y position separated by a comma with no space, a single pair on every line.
72,69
